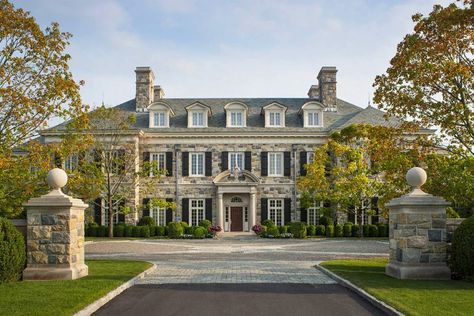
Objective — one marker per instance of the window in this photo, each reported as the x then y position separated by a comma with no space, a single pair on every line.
236,119
159,215
196,212
275,162
116,161
246,214
197,164
159,119
314,214
105,212
275,119
313,119
275,211
71,162
198,119
160,159
310,157
236,158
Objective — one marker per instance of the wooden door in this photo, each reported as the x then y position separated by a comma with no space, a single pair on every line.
236,217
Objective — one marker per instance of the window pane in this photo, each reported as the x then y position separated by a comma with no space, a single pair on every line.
277,119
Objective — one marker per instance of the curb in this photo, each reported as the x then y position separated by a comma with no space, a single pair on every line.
93,307
366,296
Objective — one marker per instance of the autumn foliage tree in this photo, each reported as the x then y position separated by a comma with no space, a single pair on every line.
431,78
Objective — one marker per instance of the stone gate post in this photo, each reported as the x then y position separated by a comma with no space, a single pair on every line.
417,231
55,234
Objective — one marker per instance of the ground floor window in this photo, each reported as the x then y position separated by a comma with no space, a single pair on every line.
105,212
196,212
314,213
275,211
159,215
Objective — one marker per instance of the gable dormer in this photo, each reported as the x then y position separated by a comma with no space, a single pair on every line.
159,114
198,114
236,114
312,113
274,114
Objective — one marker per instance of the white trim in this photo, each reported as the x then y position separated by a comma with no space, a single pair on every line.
270,172
160,215
165,119
277,208
191,154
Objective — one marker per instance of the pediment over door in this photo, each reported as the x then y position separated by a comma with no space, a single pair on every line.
244,177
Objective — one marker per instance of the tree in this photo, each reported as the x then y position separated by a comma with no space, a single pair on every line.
35,81
431,77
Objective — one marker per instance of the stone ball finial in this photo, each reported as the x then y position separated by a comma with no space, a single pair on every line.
416,177
57,178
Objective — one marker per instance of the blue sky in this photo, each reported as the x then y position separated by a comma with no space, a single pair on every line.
228,48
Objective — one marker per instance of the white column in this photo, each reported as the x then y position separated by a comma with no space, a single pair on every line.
220,210
253,211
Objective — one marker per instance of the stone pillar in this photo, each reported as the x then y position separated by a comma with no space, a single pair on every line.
55,234
253,211
417,230
220,210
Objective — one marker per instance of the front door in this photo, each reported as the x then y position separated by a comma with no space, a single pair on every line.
236,218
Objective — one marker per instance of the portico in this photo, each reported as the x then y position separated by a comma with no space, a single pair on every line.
236,200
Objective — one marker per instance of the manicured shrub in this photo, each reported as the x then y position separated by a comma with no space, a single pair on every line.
175,229
311,230
144,231
462,250
273,231
92,230
338,231
136,231
102,231
320,230
200,232
365,230
373,231
381,228
189,230
283,229
206,224
326,220
184,224
160,231
119,230
347,230
12,252
129,231
355,230
298,229
330,231
152,231
268,222
166,230
146,221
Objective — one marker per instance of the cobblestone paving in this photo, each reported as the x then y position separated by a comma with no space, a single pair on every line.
236,272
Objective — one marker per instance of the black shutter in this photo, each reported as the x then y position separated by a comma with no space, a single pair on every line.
224,160
185,210
209,209
57,161
304,215
264,209
146,209
374,202
287,210
208,161
169,164
287,163
248,161
303,162
121,160
121,216
264,163
169,212
97,211
185,161
146,156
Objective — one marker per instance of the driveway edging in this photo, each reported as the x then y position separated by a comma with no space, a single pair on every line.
368,297
94,306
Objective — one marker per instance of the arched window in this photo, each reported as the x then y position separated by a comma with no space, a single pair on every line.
236,199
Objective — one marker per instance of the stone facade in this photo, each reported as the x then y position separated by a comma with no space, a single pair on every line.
327,86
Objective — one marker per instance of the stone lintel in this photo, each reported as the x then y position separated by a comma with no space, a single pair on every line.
418,272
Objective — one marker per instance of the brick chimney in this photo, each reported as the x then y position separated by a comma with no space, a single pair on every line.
327,87
144,88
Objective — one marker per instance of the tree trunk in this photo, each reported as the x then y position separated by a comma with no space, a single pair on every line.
111,217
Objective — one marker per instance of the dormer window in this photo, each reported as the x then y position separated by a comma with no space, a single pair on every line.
197,115
274,115
236,113
159,115
312,113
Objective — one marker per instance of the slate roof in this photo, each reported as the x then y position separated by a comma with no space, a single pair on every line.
346,115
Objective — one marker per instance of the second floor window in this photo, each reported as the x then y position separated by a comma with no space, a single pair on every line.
159,119
236,159
160,159
197,164
198,119
275,118
275,164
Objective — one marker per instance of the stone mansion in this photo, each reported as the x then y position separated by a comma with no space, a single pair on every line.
234,161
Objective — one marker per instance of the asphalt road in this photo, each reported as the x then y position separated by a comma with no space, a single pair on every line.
238,299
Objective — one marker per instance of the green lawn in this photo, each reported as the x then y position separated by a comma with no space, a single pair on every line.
67,297
408,296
